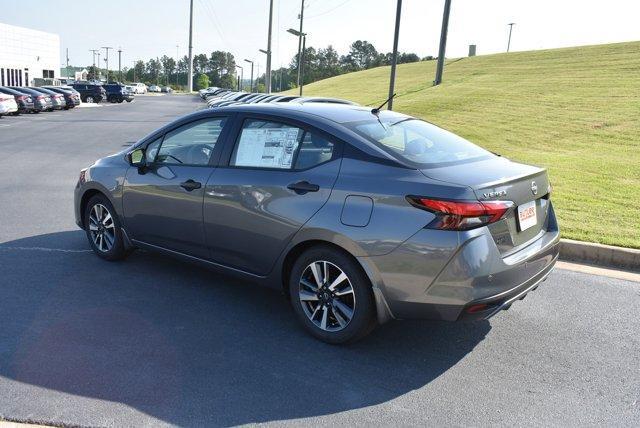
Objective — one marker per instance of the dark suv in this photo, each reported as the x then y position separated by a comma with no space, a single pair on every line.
90,93
117,93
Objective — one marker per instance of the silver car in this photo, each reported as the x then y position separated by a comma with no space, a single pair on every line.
358,216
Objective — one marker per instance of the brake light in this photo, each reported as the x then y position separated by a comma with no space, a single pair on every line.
461,215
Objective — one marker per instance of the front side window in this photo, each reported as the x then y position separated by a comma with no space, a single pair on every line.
267,144
191,144
418,142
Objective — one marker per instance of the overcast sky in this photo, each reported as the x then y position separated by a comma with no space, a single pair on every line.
150,28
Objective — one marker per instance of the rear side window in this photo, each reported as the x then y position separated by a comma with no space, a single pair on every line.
418,142
268,144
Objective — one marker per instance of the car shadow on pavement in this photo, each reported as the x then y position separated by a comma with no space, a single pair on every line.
192,347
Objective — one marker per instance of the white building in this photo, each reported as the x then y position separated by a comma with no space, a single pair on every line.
26,54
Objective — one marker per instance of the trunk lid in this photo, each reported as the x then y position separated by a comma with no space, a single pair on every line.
498,178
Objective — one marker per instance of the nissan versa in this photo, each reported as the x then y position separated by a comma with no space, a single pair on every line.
360,216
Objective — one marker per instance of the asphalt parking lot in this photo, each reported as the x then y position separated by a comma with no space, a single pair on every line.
152,341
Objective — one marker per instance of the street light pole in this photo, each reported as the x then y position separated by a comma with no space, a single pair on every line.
304,48
98,65
190,80
177,59
120,64
443,42
68,63
300,34
106,48
268,73
251,62
511,24
394,58
241,77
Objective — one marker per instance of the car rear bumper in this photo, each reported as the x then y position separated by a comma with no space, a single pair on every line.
460,276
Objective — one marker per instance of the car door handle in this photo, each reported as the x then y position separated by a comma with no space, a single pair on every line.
190,185
302,187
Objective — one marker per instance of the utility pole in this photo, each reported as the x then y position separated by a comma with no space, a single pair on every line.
68,63
98,65
268,73
511,24
300,34
190,79
443,42
106,48
120,64
394,57
250,87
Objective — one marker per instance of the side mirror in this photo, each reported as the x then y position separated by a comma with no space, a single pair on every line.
137,158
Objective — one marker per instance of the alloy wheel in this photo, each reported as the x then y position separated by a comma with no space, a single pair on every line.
89,99
327,296
102,228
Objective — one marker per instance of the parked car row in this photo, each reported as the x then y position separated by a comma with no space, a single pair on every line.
157,88
218,97
17,99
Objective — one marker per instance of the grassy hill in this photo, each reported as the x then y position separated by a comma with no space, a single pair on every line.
575,111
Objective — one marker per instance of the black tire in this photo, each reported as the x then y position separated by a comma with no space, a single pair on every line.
129,101
363,320
120,101
118,249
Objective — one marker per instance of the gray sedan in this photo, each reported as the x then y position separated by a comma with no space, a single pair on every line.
358,216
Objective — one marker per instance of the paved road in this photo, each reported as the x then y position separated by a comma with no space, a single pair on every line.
152,341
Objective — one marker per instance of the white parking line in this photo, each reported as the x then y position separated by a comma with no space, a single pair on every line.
45,249
4,125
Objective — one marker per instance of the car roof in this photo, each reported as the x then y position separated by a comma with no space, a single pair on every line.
339,113
10,91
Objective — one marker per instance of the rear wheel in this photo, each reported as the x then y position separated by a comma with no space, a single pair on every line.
88,99
331,296
103,229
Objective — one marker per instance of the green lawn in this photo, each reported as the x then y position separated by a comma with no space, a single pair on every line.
575,111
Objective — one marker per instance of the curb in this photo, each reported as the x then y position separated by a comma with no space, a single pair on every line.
600,254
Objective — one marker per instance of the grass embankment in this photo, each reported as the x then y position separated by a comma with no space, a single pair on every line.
575,111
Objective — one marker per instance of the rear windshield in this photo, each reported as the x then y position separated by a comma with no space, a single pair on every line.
420,143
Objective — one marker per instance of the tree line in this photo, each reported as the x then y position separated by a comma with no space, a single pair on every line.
219,68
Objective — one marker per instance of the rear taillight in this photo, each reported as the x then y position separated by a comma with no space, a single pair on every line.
461,215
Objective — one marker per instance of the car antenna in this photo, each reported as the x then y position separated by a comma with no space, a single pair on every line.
377,110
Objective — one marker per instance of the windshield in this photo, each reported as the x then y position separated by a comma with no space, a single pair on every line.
418,142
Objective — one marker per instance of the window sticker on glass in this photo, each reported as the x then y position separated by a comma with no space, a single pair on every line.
267,147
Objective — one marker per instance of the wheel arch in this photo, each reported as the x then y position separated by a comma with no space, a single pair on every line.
382,311
89,193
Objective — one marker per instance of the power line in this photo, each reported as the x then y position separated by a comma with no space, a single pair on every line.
329,11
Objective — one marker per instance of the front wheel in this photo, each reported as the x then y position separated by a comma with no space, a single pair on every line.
89,99
332,296
103,229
